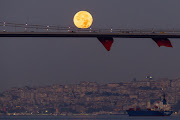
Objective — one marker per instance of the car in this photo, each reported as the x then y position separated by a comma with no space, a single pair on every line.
71,31
162,32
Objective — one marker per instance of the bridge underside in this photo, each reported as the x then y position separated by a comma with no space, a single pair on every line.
105,38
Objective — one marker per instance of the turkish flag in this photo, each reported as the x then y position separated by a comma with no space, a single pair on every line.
163,42
107,42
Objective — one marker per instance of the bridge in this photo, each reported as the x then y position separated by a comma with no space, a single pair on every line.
105,36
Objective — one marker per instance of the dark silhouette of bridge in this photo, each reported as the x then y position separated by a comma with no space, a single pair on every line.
105,36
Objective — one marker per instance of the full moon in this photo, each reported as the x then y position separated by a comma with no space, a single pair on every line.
83,19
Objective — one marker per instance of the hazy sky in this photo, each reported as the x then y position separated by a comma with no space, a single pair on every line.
46,61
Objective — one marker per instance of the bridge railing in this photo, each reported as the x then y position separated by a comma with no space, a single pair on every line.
8,27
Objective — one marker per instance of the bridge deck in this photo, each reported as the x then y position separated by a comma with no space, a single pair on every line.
89,34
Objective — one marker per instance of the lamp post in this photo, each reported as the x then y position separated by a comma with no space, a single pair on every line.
5,21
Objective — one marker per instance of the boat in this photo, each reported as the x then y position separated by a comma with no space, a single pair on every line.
161,108
149,113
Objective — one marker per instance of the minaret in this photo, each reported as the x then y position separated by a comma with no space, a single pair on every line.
164,99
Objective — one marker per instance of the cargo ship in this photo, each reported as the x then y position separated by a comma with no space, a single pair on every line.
161,108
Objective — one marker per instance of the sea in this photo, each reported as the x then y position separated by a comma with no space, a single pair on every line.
89,117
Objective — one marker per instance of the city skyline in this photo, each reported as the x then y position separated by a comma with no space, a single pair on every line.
90,97
47,61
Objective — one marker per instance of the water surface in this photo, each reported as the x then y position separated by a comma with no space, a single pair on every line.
99,117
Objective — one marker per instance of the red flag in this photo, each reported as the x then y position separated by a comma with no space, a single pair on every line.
163,42
106,41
